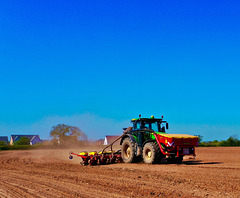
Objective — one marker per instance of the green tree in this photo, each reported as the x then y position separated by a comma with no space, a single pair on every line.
67,134
215,143
22,141
200,137
231,141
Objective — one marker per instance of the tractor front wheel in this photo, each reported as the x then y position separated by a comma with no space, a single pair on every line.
151,153
128,151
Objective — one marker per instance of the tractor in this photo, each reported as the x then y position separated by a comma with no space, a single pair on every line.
147,140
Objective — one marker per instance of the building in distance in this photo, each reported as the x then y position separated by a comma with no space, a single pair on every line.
34,139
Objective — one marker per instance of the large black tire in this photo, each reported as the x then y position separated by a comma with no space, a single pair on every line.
128,151
151,153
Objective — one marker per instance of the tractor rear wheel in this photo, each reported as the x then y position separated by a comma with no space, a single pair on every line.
128,151
151,153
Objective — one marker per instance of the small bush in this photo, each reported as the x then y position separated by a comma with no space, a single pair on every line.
4,147
2,143
22,141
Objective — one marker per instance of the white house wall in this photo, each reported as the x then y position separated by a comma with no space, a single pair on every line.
105,141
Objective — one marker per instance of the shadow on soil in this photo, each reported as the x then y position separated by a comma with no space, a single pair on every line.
185,162
199,162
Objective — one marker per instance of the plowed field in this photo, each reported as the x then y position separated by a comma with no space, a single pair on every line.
49,173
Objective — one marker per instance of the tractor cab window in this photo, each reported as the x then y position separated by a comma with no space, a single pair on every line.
137,125
163,128
144,125
141,125
154,126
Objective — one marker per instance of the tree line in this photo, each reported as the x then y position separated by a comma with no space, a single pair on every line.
62,135
231,141
66,135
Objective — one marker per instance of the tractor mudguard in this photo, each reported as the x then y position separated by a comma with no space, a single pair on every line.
147,142
130,136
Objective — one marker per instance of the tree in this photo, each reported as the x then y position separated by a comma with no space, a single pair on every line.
200,137
67,134
231,141
22,141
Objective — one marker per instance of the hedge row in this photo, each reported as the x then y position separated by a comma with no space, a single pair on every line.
15,147
23,147
37,146
231,141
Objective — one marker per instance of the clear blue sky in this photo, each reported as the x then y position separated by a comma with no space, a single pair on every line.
97,64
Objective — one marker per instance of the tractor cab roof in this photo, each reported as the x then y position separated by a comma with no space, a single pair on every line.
149,120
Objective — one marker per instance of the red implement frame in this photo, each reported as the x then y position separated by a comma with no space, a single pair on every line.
178,148
103,158
98,158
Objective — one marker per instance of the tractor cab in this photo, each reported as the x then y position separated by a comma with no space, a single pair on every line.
157,125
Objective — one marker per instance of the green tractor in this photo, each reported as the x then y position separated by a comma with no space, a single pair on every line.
147,139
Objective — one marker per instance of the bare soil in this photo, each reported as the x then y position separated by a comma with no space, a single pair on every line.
49,173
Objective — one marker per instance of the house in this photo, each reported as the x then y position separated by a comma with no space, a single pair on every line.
4,139
100,142
110,139
34,139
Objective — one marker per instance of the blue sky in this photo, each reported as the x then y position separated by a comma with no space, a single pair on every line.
97,64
